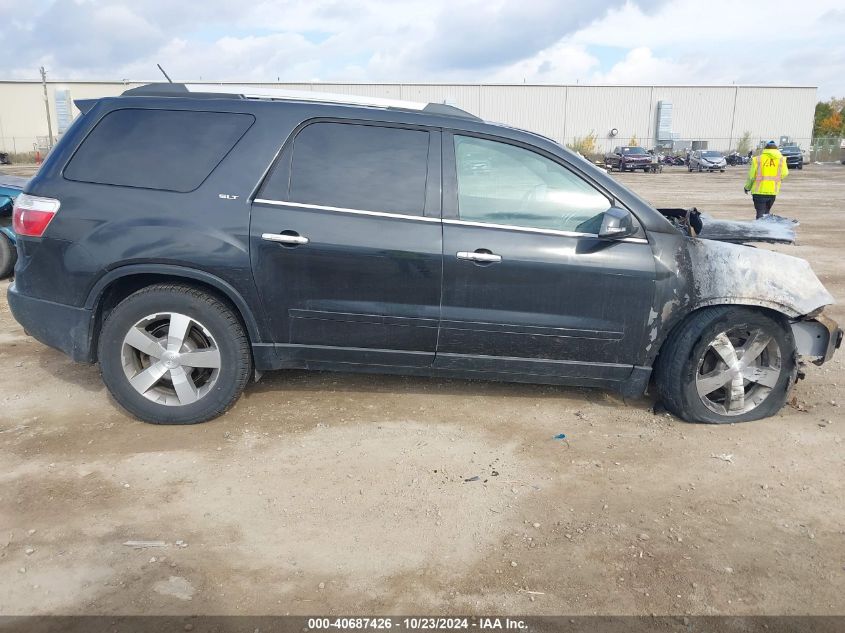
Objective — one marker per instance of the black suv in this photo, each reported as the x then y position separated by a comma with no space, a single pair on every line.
188,239
794,157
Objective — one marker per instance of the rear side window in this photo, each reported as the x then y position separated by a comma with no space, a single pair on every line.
360,167
171,150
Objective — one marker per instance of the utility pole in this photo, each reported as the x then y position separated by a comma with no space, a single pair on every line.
47,109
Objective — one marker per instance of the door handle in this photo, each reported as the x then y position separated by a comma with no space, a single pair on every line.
479,256
285,238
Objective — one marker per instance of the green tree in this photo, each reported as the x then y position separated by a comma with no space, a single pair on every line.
823,110
831,125
584,145
744,143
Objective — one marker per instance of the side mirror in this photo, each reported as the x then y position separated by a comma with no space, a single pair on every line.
616,224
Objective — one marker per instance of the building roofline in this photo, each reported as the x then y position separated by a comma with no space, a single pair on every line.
399,83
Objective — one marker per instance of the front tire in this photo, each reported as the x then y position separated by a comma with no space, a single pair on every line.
8,256
725,365
172,354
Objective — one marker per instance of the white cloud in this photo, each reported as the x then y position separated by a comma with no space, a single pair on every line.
640,66
547,41
754,42
564,62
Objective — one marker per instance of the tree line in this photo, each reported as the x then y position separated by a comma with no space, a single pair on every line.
829,118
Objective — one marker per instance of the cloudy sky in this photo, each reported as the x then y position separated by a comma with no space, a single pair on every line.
540,41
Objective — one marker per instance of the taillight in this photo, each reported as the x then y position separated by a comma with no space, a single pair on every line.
32,214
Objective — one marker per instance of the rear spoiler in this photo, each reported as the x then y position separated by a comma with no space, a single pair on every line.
85,104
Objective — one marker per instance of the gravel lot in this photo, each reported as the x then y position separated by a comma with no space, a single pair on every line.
335,493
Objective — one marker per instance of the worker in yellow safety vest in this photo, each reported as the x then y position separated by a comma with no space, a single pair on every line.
765,174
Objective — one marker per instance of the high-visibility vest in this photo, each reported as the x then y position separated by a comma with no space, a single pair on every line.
766,172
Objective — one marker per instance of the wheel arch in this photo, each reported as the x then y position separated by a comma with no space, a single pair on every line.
674,325
121,282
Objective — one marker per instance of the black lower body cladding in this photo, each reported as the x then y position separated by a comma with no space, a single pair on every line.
65,328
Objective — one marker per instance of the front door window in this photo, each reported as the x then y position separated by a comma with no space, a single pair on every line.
504,184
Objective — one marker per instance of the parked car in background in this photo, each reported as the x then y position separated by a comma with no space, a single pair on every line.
735,158
627,158
248,229
794,157
10,187
674,160
707,160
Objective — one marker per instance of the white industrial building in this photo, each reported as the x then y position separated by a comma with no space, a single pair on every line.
718,115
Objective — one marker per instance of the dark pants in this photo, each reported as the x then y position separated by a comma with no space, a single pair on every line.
763,204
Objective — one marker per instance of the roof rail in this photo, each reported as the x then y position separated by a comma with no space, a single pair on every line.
253,92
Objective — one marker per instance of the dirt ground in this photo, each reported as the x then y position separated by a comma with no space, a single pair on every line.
334,493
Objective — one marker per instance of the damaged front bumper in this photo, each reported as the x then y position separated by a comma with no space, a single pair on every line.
816,338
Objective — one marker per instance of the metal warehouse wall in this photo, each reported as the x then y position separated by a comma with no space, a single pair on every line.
718,114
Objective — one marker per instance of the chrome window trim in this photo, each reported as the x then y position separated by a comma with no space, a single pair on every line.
420,218
320,207
525,229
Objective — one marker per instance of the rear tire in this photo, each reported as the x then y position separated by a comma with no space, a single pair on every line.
697,384
172,354
8,256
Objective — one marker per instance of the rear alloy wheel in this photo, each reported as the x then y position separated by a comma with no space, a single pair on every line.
172,354
8,256
171,359
727,364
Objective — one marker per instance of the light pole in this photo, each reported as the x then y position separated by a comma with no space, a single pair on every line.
47,109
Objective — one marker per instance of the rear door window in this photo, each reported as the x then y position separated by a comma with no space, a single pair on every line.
365,167
170,150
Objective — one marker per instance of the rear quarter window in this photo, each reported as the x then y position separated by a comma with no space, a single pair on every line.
170,150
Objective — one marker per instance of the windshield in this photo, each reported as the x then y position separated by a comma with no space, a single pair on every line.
633,150
712,154
790,150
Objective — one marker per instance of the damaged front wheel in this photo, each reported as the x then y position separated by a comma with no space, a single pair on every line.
727,364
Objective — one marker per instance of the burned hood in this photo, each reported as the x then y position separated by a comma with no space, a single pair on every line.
722,272
770,228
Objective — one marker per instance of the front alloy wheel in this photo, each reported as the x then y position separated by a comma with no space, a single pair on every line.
727,364
738,371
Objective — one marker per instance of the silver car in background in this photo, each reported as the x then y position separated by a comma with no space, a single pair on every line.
707,160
